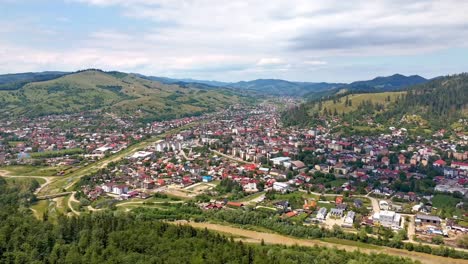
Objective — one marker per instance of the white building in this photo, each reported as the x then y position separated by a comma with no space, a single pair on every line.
280,160
322,213
280,186
388,219
349,219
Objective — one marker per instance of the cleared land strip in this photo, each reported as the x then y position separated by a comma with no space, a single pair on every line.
250,236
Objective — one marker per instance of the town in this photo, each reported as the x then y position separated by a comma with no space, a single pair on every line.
243,157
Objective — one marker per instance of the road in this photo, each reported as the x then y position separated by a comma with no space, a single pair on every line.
73,199
250,236
141,202
230,157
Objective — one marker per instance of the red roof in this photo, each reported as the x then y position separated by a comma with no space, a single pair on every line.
235,204
291,214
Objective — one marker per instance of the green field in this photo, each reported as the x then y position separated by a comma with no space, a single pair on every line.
25,170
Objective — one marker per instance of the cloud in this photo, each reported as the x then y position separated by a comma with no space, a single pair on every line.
237,39
269,61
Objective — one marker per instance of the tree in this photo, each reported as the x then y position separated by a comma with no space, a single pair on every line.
463,241
439,240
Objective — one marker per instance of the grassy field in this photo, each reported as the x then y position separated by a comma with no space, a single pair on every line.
357,99
444,201
40,207
18,181
349,243
24,170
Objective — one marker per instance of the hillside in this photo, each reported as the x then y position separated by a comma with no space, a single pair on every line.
352,102
389,83
122,93
434,104
441,101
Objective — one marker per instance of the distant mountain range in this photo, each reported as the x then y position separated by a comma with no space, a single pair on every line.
277,87
273,87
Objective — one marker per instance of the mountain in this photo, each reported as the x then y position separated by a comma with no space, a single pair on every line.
277,87
17,80
126,94
389,83
272,87
396,82
309,90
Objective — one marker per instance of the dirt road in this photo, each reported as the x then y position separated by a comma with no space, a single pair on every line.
73,199
270,238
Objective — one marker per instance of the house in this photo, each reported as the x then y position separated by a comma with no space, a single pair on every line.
427,219
349,219
322,213
358,203
439,163
297,165
250,187
388,219
401,159
323,168
459,165
107,187
280,187
120,189
336,213
279,161
339,200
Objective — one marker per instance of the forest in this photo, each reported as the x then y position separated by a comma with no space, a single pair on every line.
137,238
439,102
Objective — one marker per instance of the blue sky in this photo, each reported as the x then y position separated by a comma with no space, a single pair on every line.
303,40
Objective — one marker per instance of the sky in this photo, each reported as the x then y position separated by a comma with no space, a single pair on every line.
225,40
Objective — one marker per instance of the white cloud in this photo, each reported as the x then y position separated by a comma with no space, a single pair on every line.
245,39
269,61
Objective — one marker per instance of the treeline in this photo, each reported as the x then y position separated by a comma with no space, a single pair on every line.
136,238
57,153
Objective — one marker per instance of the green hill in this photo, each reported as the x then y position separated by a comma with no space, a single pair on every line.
352,102
125,94
436,104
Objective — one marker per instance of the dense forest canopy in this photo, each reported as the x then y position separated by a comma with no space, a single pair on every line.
133,238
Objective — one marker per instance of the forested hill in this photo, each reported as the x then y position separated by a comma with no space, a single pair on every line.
435,104
125,94
440,101
131,238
